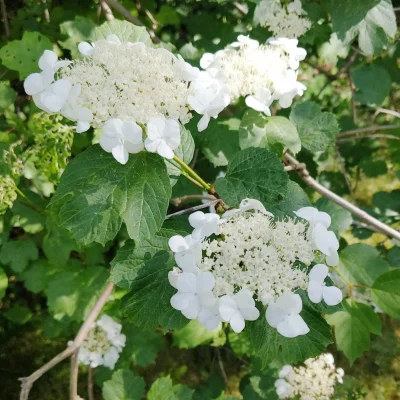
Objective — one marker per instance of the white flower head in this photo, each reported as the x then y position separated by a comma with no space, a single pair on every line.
284,315
317,289
187,252
238,308
163,137
204,225
194,293
121,138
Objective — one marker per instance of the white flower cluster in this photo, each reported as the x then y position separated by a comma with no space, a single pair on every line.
252,257
315,380
281,20
103,344
261,73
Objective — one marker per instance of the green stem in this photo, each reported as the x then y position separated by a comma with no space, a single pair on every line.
22,195
348,283
193,174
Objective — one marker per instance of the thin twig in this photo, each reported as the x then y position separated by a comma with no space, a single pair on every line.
106,10
353,100
363,225
73,380
27,382
194,159
344,171
90,384
240,8
128,16
179,200
387,111
368,136
367,129
294,167
4,18
305,175
195,208
221,367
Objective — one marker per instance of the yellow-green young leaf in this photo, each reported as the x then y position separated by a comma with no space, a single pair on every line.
256,174
273,133
316,129
353,328
125,31
96,194
362,264
123,386
162,389
3,283
194,334
386,293
18,253
23,55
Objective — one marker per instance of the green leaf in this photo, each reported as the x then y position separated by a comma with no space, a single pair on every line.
79,30
347,14
126,32
184,151
162,389
220,141
267,343
211,389
23,55
373,83
394,256
193,334
18,253
74,291
386,294
362,264
18,314
353,327
7,96
295,199
96,194
316,129
123,386
341,218
388,203
131,257
38,275
3,283
148,304
272,133
253,173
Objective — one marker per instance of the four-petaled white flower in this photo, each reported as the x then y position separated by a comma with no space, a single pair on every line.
194,293
317,289
284,315
238,308
325,241
163,136
260,101
243,40
296,54
121,138
187,252
204,224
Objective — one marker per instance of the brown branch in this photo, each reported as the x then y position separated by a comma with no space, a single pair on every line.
90,384
368,136
128,16
189,210
367,129
221,367
27,382
380,226
106,10
179,200
73,380
387,111
240,8
4,18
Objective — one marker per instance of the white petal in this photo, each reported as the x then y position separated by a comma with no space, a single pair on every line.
193,308
33,84
323,218
250,313
113,127
307,213
203,123
151,145
332,295
173,276
206,299
237,322
252,204
179,301
187,261
208,319
82,126
85,48
120,154
197,219
318,273
275,315
323,238
186,282
333,258
113,39
290,303
177,243
47,60
254,103
107,142
227,307
314,291
292,326
244,298
155,127
205,282
165,151
132,132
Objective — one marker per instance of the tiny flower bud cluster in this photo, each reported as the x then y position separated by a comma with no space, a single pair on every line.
315,380
229,262
103,344
263,73
281,20
8,193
